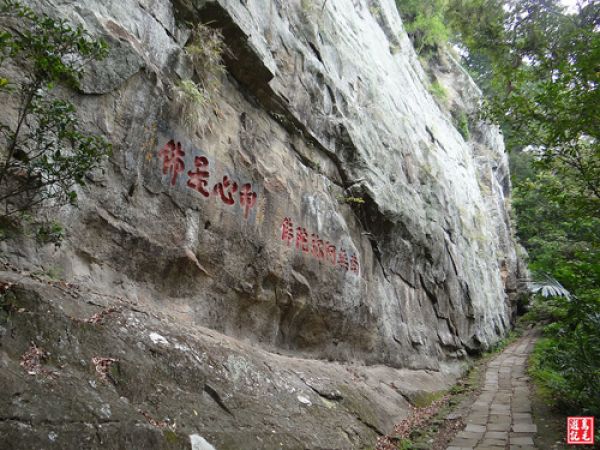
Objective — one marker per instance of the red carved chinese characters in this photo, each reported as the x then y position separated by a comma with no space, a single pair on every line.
220,188
173,164
199,177
330,253
247,198
302,239
318,247
172,156
354,266
287,231
343,259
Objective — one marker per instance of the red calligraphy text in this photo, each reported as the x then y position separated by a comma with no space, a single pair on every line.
302,239
318,247
227,185
343,259
172,156
247,198
287,231
354,266
199,177
322,251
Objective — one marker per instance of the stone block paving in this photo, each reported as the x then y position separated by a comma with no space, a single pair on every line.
500,418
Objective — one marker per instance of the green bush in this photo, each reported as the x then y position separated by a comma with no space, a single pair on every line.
566,362
206,50
44,154
425,23
50,233
439,92
461,121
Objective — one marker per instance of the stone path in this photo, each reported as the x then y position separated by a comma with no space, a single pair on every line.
501,418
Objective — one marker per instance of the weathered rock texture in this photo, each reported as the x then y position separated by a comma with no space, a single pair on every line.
234,334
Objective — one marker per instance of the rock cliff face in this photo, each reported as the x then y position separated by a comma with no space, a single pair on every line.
319,246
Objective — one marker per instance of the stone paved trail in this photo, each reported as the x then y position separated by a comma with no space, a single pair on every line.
501,418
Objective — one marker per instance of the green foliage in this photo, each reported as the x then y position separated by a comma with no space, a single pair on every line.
560,227
500,345
191,99
425,23
53,272
194,96
560,230
439,92
538,68
206,50
404,444
52,232
549,287
566,363
461,121
44,153
351,200
192,91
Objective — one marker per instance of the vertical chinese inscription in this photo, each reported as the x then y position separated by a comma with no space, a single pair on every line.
198,179
247,198
172,155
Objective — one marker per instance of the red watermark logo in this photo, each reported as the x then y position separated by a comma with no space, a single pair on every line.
580,430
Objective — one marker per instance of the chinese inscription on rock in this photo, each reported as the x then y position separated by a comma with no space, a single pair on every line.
312,245
173,164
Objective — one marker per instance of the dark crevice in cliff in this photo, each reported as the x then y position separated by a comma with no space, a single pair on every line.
370,426
217,398
327,395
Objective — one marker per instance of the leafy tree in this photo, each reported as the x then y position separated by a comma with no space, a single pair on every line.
43,151
425,23
540,74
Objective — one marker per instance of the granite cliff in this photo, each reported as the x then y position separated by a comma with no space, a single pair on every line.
289,264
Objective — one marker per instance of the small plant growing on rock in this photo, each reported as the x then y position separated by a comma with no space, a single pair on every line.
351,200
50,233
439,92
43,151
191,99
461,121
425,23
194,96
206,50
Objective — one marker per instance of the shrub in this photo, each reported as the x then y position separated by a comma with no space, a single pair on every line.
44,152
205,50
191,99
439,92
461,121
351,200
194,96
424,22
52,232
566,362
